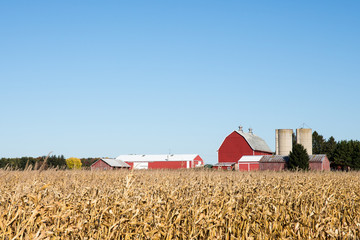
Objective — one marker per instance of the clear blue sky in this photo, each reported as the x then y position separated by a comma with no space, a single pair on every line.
104,78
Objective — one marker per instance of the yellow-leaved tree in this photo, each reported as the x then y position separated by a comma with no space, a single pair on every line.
73,163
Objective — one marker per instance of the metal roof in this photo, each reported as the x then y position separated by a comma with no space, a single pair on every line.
157,158
250,158
255,142
115,162
280,158
317,158
274,158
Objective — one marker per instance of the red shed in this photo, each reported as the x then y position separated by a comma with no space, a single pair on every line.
318,162
239,143
109,164
224,166
249,163
273,163
165,161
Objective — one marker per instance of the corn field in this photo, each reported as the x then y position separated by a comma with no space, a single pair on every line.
182,204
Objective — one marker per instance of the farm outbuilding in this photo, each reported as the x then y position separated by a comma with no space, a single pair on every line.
165,161
249,163
224,166
318,162
273,163
109,164
239,143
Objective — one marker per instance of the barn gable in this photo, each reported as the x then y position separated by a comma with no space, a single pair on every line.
255,142
238,144
106,163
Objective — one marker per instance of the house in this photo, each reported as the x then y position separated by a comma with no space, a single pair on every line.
109,164
162,161
238,144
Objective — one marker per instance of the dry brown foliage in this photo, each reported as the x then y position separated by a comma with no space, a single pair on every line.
179,205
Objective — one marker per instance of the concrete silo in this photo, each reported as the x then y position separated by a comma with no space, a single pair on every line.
304,137
283,141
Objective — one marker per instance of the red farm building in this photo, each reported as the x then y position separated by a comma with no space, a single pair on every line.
318,162
238,144
249,163
109,164
166,161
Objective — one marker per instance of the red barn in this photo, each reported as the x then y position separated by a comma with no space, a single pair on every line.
109,164
239,143
169,161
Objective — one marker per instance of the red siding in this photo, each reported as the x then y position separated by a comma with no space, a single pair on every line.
131,164
326,164
250,166
167,165
234,147
172,164
100,165
320,166
196,161
272,166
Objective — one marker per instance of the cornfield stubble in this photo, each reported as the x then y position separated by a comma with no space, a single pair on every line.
181,204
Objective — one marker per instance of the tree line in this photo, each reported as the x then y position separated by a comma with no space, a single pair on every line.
342,154
52,161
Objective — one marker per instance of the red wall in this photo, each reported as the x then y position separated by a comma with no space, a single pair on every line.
100,165
167,165
172,164
196,161
320,166
326,164
251,166
272,166
234,147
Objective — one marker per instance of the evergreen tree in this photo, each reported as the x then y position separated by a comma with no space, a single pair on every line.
342,154
298,158
329,147
318,143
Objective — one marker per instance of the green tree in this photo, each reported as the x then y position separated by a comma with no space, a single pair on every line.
329,148
298,158
73,163
342,154
318,143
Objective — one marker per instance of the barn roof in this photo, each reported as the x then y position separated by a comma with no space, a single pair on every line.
280,158
157,158
317,158
274,158
115,163
255,142
250,158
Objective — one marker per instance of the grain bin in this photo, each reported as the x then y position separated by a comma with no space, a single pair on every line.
304,137
283,141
